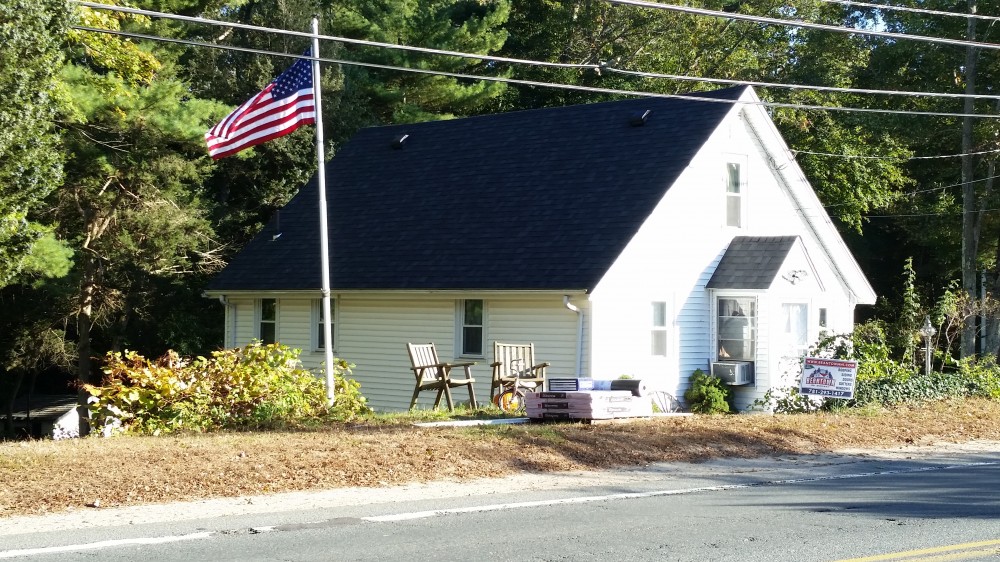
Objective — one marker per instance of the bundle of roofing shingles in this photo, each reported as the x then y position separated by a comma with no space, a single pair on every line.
601,400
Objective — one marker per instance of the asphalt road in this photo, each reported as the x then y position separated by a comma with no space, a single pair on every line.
914,504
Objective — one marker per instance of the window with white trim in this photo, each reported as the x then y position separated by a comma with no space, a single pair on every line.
267,320
735,187
472,316
318,343
658,333
737,328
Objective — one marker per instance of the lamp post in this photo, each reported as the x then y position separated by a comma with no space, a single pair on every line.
928,332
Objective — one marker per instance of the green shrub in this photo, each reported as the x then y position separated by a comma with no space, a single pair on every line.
787,400
707,394
867,345
981,376
916,388
255,387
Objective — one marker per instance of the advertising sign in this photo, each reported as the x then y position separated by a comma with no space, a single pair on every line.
832,378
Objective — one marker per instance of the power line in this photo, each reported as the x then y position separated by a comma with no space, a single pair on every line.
596,67
901,158
917,192
218,23
913,10
798,86
573,87
562,86
806,25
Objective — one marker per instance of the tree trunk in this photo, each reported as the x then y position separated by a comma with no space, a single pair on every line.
8,425
991,321
970,218
88,286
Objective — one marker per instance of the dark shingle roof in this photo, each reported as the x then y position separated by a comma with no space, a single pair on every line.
40,407
751,262
540,199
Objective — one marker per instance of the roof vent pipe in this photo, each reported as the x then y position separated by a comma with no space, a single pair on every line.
579,334
397,142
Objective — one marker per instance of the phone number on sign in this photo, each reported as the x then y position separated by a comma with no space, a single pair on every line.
830,393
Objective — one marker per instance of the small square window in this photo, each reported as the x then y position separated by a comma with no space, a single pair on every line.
318,307
472,327
267,329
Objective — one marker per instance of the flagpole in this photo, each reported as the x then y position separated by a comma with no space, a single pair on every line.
324,239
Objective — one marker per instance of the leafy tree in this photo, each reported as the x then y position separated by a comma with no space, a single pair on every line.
130,202
30,162
250,186
932,223
456,25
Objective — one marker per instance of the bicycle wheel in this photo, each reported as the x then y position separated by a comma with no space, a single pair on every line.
664,402
510,401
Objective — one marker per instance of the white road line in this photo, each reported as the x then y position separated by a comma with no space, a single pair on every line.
482,508
101,544
655,493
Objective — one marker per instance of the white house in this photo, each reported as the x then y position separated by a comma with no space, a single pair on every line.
646,237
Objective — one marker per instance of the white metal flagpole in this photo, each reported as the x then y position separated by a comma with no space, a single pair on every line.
324,239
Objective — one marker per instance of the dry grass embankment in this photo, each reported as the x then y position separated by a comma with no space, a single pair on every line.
48,476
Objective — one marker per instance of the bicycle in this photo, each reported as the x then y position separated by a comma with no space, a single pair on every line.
510,399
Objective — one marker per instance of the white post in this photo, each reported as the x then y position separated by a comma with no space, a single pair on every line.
324,238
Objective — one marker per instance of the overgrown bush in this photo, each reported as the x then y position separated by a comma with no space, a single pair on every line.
707,394
787,400
868,345
255,387
981,376
916,388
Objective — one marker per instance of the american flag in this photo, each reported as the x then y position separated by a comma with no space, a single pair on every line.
283,106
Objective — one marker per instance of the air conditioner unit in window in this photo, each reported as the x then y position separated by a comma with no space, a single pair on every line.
733,372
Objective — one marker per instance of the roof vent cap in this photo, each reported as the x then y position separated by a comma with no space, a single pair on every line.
397,142
639,119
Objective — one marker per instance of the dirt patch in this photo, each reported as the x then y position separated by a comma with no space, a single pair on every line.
52,477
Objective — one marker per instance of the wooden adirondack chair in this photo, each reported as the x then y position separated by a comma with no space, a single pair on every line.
432,374
514,363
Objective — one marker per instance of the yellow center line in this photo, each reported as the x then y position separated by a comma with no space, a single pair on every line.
963,555
932,551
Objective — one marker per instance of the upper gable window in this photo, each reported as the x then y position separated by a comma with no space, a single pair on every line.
659,330
735,192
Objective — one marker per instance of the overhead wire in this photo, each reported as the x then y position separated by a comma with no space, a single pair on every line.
895,8
556,85
799,86
590,66
304,34
490,78
901,158
806,24
594,89
386,67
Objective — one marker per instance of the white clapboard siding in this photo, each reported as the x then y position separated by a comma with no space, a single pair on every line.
242,312
295,323
373,330
544,321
